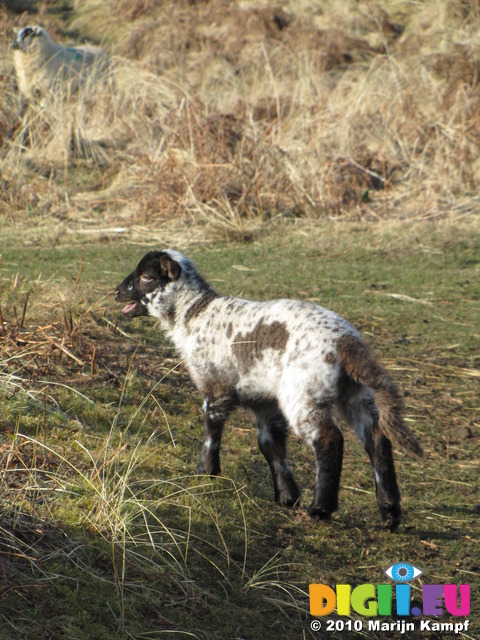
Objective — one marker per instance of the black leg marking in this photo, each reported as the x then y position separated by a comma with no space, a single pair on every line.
328,448
272,441
386,487
361,413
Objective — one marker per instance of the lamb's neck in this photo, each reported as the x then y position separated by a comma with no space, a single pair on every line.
193,302
178,306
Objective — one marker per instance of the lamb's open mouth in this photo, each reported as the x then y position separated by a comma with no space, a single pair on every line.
133,305
127,310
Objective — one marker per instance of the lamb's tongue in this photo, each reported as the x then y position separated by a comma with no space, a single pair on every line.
129,307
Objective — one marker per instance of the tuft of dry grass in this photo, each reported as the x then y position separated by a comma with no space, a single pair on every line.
222,112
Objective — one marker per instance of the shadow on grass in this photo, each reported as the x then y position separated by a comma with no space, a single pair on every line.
72,581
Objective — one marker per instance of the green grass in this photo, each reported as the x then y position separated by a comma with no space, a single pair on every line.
106,532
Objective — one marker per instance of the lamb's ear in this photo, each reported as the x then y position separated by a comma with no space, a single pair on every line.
169,268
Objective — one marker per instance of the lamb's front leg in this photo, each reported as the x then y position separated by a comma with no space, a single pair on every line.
215,413
272,441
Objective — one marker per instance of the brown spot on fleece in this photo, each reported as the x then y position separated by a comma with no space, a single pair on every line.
249,347
361,366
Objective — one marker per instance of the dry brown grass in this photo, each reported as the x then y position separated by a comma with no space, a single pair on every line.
238,113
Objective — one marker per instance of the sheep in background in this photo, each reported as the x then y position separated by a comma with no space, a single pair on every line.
42,64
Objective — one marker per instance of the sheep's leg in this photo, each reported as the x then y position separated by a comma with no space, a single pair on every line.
379,449
361,413
272,441
215,414
326,441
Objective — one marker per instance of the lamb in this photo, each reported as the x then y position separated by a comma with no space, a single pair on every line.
41,64
291,362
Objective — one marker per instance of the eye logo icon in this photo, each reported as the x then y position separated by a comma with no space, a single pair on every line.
403,572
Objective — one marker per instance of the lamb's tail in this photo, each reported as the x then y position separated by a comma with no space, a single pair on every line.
361,366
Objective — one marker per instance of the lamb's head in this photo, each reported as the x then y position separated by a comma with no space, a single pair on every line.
152,288
30,38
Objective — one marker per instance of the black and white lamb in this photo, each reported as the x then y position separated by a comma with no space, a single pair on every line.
291,362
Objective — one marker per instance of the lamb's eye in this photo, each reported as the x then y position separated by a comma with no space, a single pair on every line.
146,278
403,572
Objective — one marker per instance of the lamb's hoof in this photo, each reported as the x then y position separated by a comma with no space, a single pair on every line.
391,516
287,500
201,470
317,513
288,495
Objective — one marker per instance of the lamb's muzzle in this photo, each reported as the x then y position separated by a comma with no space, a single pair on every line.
134,306
291,363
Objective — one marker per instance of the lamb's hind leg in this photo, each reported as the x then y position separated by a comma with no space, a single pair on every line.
272,441
361,413
326,440
312,420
